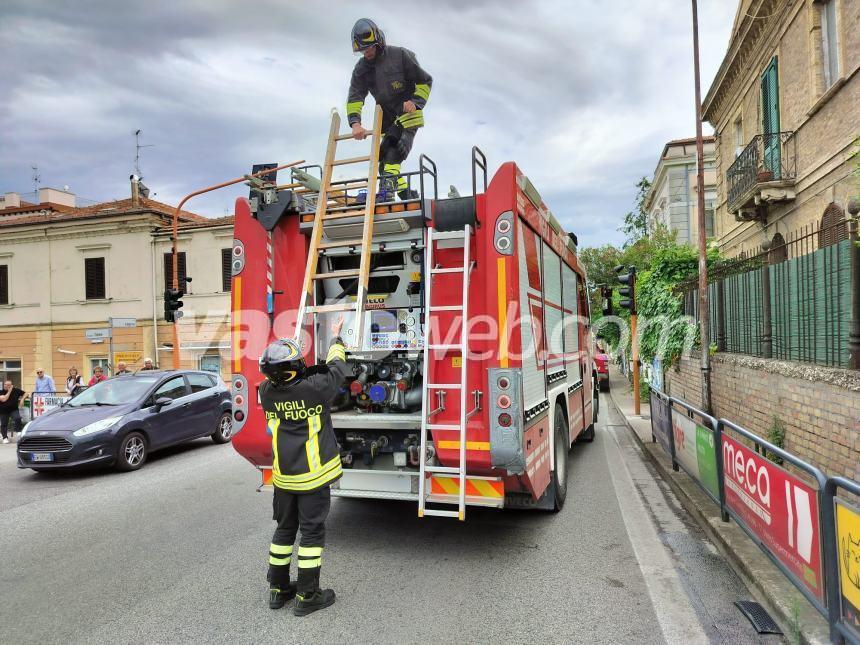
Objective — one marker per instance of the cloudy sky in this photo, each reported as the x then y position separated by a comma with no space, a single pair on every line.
582,95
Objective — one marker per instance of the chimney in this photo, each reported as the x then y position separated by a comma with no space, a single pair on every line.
10,200
55,196
135,191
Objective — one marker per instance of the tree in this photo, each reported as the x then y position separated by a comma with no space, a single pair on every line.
635,225
599,263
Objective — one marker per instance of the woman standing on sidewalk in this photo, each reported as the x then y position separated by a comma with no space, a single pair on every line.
74,381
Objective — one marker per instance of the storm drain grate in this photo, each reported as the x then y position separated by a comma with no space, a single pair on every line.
758,616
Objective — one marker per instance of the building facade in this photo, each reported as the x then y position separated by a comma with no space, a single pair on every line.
672,200
66,272
784,105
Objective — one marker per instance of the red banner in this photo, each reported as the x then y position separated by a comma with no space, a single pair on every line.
780,509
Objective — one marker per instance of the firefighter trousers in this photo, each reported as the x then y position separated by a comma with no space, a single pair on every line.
294,513
395,147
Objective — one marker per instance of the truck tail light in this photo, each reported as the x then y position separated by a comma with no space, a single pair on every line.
504,401
505,420
503,235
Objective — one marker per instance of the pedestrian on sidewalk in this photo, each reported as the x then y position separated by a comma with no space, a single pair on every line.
10,415
98,376
44,384
74,381
307,462
121,369
147,364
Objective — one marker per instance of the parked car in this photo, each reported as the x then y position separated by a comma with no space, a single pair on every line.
601,361
120,421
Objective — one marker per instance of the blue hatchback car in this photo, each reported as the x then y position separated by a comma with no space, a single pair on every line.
121,420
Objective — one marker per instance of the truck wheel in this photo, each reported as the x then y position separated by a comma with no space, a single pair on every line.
559,472
224,430
132,452
588,434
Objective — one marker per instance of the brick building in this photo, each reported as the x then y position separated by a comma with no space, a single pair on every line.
784,107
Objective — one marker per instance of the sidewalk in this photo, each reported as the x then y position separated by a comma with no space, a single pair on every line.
797,618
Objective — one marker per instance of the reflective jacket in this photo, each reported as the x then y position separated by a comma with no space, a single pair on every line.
392,77
306,453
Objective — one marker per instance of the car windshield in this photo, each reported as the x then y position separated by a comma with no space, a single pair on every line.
115,391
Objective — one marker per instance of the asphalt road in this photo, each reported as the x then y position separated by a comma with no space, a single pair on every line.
176,553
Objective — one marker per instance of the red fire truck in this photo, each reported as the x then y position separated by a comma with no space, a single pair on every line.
467,326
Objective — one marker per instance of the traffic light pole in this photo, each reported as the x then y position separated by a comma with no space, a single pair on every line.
176,347
635,360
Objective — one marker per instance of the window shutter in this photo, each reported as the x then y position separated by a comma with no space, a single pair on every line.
94,278
4,284
168,270
226,269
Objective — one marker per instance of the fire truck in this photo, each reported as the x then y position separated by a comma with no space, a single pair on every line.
466,323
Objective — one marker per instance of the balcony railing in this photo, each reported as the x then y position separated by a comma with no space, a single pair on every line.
767,158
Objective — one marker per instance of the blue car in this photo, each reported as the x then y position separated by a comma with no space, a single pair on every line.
118,422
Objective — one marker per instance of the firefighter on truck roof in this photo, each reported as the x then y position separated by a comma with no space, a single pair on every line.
306,462
396,81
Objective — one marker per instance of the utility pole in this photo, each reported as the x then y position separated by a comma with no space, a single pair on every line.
628,301
700,218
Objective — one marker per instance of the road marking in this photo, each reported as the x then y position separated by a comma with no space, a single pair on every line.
677,619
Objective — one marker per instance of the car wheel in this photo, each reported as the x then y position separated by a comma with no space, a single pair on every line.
559,472
224,432
132,452
588,435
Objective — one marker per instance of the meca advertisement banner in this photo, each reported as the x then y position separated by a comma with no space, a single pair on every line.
44,402
848,547
780,509
695,451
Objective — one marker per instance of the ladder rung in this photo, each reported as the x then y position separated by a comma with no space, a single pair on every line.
346,273
324,309
344,214
447,308
448,270
349,184
349,160
444,386
442,470
444,347
343,137
433,511
448,235
339,244
442,426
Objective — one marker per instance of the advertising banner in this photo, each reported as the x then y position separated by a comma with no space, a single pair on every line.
661,422
43,402
778,508
848,548
695,451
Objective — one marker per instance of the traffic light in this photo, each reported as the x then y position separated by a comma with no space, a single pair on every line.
172,304
627,292
606,297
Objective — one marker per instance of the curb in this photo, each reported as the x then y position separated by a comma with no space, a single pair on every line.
767,583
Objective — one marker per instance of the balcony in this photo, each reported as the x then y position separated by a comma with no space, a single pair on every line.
764,173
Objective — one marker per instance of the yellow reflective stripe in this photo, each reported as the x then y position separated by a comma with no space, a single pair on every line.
279,562
274,424
322,480
310,564
422,90
354,107
310,551
336,352
281,549
309,477
391,169
411,119
402,184
312,445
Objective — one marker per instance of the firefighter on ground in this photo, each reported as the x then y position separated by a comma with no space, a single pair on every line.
398,84
306,462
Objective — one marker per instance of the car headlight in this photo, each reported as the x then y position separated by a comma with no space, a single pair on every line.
24,429
96,426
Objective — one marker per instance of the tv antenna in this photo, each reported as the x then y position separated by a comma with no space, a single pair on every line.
137,148
36,179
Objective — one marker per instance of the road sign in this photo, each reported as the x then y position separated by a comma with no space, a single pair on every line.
778,508
127,357
97,334
694,450
123,323
848,547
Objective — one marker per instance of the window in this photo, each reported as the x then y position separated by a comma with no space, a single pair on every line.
4,284
740,144
10,369
94,278
829,43
226,268
199,382
100,361
709,218
778,251
211,363
770,119
172,389
168,270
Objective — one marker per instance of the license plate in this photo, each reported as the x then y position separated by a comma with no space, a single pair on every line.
41,456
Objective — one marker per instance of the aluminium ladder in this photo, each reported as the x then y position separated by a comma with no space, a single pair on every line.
333,204
426,425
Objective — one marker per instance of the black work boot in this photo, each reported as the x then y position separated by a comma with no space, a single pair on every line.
280,588
406,194
309,597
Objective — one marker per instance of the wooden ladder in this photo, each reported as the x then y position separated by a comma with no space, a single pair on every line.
332,204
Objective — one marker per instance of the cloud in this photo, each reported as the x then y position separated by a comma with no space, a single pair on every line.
581,96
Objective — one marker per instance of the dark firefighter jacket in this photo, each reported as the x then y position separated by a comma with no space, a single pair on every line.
392,78
306,454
